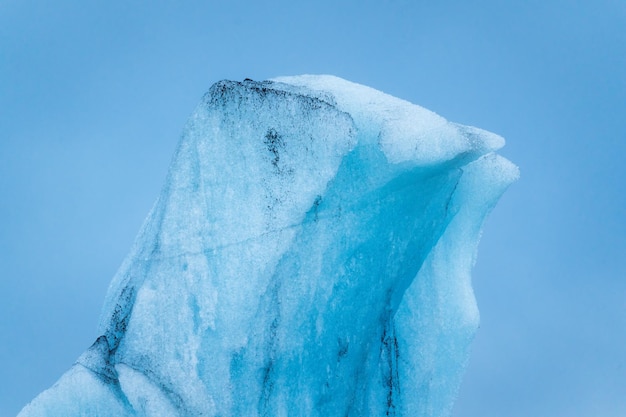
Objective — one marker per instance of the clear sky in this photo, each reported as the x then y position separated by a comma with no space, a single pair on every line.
94,95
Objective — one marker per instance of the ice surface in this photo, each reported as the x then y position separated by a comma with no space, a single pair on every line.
309,255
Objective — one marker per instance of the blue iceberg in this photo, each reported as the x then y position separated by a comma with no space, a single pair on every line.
309,255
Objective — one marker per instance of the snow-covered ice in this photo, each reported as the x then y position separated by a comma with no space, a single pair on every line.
309,255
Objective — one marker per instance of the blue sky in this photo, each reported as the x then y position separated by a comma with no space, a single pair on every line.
94,95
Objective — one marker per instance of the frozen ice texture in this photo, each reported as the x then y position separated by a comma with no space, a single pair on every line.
309,255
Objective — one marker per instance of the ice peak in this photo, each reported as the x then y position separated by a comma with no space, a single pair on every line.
309,255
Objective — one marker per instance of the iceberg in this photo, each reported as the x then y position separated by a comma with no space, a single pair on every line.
309,255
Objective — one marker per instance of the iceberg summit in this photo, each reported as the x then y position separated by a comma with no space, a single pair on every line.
309,255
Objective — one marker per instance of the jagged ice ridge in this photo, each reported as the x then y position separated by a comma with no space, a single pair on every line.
309,255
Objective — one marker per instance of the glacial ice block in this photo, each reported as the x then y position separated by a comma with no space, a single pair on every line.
309,255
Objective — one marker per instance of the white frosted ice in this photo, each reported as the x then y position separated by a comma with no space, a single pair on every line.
405,132
309,255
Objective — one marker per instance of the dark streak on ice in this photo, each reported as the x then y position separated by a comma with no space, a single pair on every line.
389,352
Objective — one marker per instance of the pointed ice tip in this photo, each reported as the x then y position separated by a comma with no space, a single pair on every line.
481,140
